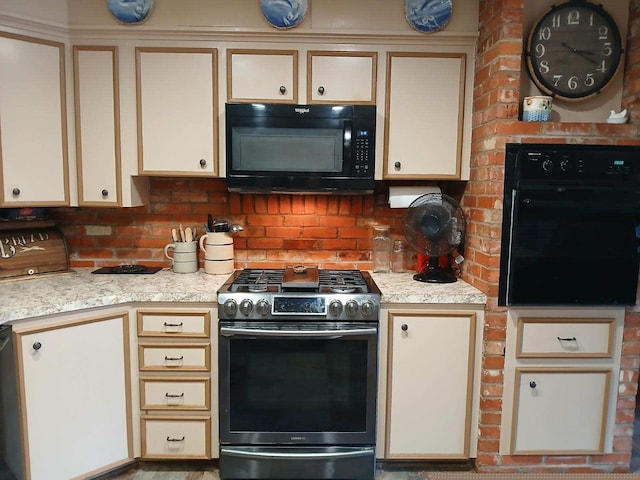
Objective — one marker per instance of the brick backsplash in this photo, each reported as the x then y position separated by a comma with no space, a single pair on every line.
332,231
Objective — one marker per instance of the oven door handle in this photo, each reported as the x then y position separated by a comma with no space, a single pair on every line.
296,456
254,332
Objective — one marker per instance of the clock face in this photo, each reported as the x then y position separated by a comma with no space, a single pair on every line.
574,50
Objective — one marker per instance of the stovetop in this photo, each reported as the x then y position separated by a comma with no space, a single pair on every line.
296,279
297,293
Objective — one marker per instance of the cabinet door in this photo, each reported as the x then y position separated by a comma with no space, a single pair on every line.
262,76
177,114
424,111
97,125
33,122
560,410
75,397
341,77
429,385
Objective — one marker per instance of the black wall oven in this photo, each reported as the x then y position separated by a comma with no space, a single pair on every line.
569,225
298,383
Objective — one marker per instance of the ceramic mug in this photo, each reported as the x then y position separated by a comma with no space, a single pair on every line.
218,252
185,256
537,108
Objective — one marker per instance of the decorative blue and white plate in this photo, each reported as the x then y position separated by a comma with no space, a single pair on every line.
284,13
130,11
428,15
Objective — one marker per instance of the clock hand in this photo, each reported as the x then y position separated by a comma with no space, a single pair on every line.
582,53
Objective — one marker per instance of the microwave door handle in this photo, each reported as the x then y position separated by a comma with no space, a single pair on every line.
347,133
254,332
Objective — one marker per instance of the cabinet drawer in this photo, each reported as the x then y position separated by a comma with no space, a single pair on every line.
176,437
175,393
562,337
195,324
188,357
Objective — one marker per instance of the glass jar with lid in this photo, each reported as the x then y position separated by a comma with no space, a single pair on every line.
381,254
399,256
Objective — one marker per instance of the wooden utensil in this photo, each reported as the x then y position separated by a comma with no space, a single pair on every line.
188,236
181,233
174,234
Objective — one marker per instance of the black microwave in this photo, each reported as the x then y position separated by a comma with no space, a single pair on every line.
287,148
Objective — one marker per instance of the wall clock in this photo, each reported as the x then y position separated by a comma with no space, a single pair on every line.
574,50
428,15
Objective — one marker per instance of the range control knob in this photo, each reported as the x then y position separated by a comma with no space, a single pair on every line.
565,165
352,308
335,308
547,165
246,307
368,309
230,307
263,307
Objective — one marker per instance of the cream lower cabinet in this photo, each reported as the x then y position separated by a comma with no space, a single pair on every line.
425,112
430,377
178,404
33,122
177,111
561,370
74,387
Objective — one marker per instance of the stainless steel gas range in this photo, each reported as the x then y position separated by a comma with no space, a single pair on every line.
298,356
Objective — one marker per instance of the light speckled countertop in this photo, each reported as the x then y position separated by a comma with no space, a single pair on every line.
79,289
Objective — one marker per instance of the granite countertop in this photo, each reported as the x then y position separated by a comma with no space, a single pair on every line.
79,289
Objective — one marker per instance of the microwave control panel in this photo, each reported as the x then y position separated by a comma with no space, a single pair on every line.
362,165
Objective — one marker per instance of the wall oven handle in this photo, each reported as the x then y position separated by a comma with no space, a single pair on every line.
295,456
254,332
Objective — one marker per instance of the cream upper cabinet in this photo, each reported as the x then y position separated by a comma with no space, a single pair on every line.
33,122
96,83
341,77
429,384
177,111
425,102
262,76
75,397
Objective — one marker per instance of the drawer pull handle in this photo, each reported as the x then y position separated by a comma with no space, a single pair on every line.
169,439
177,325
567,339
174,359
173,395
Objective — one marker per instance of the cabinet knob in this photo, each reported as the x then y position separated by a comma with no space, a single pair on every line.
533,384
320,90
15,191
283,89
203,162
404,327
37,346
105,192
397,165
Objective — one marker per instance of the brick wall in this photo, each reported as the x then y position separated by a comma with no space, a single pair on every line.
333,231
496,105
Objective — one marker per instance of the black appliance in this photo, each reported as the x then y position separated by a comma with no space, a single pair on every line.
290,148
569,225
298,355
11,467
128,269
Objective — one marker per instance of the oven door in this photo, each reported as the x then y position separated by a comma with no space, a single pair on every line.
298,383
570,246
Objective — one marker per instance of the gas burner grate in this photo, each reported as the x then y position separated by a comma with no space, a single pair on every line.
342,281
255,280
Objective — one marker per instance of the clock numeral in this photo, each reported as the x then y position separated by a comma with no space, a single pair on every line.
540,50
603,33
556,80
589,81
544,66
545,33
602,67
606,49
591,20
555,20
572,83
573,17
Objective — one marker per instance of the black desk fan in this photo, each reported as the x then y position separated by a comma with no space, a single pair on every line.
434,226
